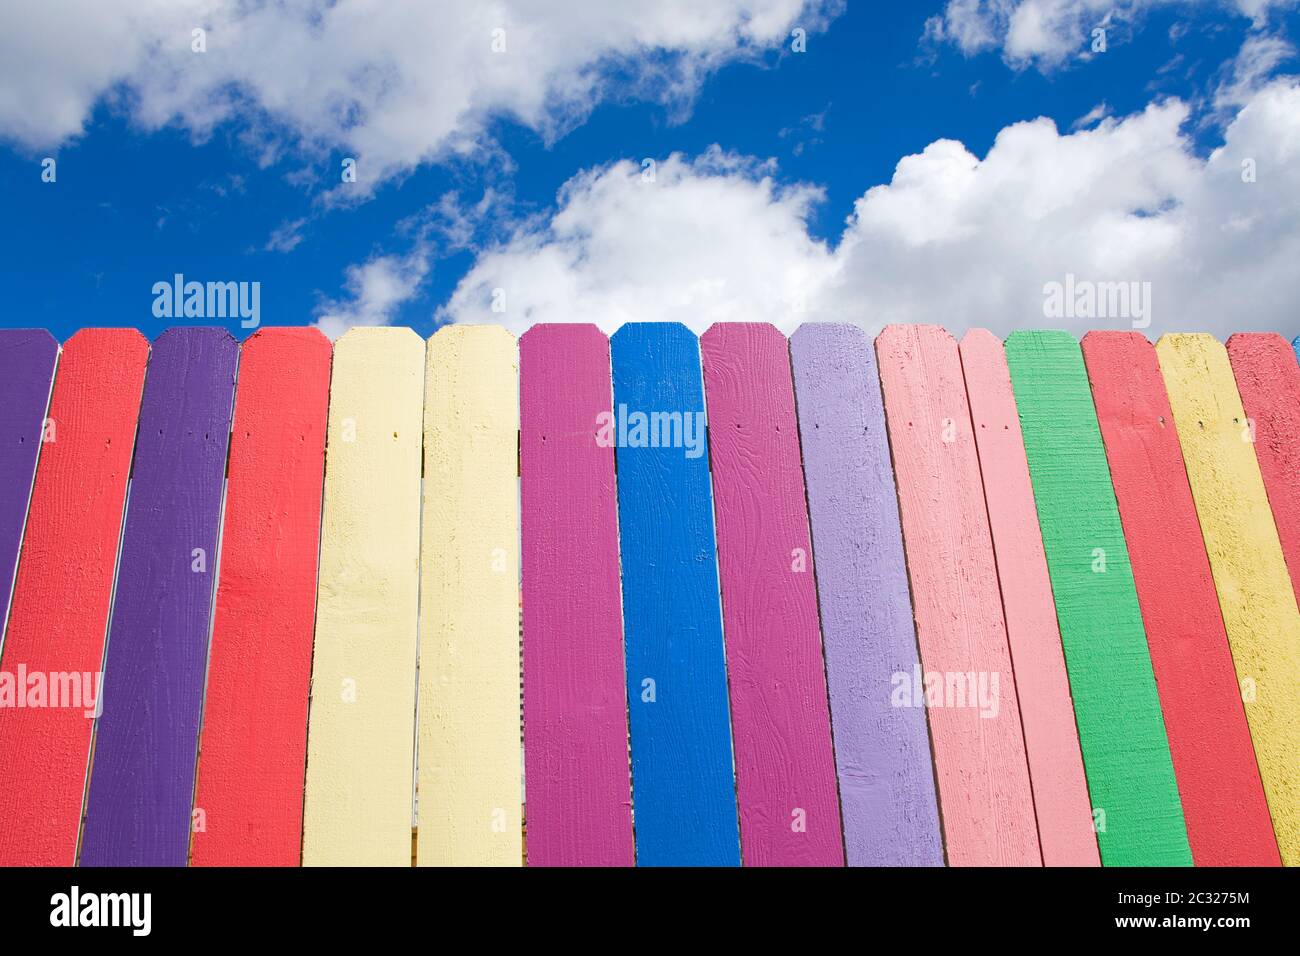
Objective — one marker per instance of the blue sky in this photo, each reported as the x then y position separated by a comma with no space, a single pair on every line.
144,191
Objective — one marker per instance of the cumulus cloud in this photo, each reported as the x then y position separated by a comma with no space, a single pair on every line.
376,289
395,83
953,239
1048,33
696,241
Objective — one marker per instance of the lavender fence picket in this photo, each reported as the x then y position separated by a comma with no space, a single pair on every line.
882,752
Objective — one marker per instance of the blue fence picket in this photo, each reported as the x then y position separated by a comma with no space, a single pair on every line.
683,788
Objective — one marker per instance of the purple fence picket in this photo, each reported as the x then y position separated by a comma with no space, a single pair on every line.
576,777
882,752
142,772
27,358
785,764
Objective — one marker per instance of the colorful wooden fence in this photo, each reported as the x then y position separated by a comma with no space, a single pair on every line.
653,600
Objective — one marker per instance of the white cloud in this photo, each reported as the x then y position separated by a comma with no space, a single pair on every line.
376,290
395,83
287,236
707,240
1251,69
1090,118
952,239
1048,33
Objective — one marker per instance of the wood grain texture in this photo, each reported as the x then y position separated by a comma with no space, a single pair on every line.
253,747
1218,781
146,741
63,589
470,785
1250,574
1042,686
1131,780
27,360
576,776
882,752
785,764
1268,381
682,781
985,797
361,729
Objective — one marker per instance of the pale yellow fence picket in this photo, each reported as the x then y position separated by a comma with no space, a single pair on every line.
470,771
361,730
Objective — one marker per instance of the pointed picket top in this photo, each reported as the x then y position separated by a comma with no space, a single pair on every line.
573,331
123,337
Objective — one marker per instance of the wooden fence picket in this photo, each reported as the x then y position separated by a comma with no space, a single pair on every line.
1136,809
253,746
1218,781
1042,686
63,590
1268,381
576,780
27,360
1250,574
146,740
683,787
361,730
470,778
785,764
985,797
882,752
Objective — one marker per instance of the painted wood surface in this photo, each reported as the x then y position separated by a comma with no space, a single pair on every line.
576,777
985,797
253,747
1051,741
683,787
1250,574
1218,781
63,589
27,360
1136,809
470,785
882,752
1268,382
361,730
146,740
785,765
